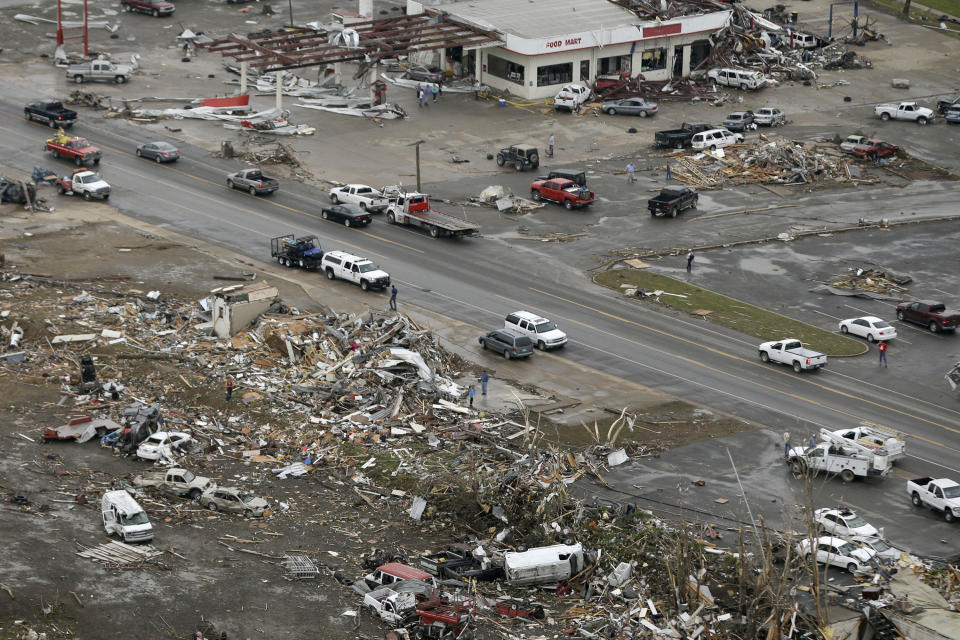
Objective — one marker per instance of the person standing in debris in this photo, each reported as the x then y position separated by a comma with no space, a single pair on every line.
882,348
476,89
484,379
690,258
669,173
786,444
393,297
435,90
470,395
229,389
550,142
631,176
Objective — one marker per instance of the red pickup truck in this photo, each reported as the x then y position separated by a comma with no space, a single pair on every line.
933,315
76,149
562,191
876,147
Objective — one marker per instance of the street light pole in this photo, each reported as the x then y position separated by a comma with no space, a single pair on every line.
290,3
417,146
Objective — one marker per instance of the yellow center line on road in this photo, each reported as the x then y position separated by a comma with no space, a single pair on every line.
794,379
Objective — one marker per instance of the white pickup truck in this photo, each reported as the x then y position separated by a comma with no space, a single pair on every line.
791,352
178,481
941,495
367,198
571,97
904,111
846,462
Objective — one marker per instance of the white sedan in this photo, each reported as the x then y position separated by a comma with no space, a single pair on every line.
163,444
837,552
843,522
869,327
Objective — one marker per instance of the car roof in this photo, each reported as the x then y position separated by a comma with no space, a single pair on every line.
559,180
833,540
870,319
404,571
526,315
345,256
523,147
356,185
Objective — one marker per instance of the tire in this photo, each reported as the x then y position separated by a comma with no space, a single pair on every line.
334,199
212,506
96,161
534,160
324,215
933,327
798,467
765,356
346,223
921,121
847,475
86,195
673,213
568,205
363,206
506,354
852,568
157,159
844,330
483,344
60,189
330,275
119,79
884,116
230,183
106,197
252,191
915,499
535,196
391,219
870,338
678,144
500,160
642,114
364,285
796,366
53,124
27,116
434,232
286,262
156,14
77,160
128,7
611,111
808,557
139,153
900,315
713,147
247,513
541,346
78,79
518,166
948,515
194,494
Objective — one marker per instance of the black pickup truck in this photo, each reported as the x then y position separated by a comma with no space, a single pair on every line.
680,138
50,112
670,202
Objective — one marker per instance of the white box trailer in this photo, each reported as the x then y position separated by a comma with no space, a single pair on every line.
543,565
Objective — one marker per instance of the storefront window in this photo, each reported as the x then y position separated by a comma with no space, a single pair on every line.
555,74
653,60
613,64
505,69
699,51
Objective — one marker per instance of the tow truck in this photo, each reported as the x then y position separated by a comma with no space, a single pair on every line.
413,209
83,182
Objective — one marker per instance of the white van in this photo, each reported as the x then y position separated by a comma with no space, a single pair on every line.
544,333
124,517
737,78
543,565
714,139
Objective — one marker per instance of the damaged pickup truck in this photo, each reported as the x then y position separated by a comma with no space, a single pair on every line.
175,481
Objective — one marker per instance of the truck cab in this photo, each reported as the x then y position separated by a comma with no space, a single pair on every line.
122,516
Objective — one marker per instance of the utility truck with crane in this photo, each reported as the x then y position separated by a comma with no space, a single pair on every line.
839,456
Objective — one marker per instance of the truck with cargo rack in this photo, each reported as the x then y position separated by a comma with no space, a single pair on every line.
76,149
304,252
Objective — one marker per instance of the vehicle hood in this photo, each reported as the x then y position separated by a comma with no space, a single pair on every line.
136,528
96,186
864,555
866,530
550,336
378,274
89,149
257,504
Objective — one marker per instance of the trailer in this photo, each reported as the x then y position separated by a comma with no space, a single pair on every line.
413,209
302,252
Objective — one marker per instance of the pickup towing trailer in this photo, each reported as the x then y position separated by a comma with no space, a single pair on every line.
413,209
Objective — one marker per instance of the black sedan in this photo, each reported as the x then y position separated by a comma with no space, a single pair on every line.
159,151
349,214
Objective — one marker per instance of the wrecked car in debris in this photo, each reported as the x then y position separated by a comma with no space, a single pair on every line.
164,445
175,481
543,565
99,70
682,137
387,574
81,429
123,517
234,500
458,562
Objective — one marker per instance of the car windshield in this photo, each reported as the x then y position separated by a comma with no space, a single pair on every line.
951,492
880,546
246,497
138,518
880,324
188,476
367,268
846,549
855,522
543,327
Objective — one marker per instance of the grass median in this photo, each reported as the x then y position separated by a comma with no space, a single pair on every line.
760,323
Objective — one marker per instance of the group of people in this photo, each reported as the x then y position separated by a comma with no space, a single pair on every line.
424,91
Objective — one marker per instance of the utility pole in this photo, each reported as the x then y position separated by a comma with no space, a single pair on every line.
417,146
290,4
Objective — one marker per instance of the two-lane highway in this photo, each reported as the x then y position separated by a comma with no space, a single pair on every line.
480,280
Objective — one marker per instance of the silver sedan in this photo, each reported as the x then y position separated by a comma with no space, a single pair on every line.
159,151
630,107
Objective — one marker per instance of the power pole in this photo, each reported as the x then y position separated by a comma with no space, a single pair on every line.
417,146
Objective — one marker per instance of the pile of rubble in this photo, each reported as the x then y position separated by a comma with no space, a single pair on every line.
873,280
768,160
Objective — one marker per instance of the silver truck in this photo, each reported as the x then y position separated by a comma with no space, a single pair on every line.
254,181
176,481
99,70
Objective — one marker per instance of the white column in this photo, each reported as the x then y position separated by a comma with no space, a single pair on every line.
443,62
279,77
244,66
338,73
478,64
371,79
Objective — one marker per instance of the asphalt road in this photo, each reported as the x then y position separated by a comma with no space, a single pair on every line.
480,280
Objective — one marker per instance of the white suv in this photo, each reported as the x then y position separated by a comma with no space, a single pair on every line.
544,333
714,139
571,97
337,264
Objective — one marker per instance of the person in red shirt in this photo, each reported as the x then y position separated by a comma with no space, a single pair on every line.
882,348
229,389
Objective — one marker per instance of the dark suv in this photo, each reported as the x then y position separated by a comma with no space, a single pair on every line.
519,156
509,343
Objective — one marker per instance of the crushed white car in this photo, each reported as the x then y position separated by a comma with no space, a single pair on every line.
164,445
843,523
571,97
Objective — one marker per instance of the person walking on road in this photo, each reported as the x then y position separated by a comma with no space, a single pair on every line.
472,392
690,257
393,297
882,348
229,389
484,379
786,444
631,173
435,90
550,142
